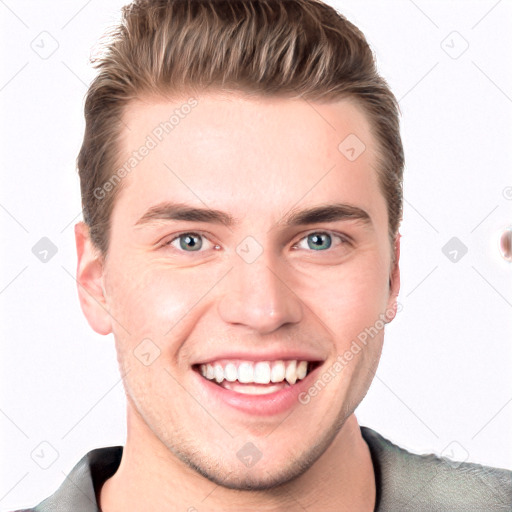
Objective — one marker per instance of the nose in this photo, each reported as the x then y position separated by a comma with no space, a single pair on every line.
258,296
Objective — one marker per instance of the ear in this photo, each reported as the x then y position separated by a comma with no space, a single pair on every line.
394,281
89,276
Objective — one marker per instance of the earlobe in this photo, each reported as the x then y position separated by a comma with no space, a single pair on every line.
89,276
394,282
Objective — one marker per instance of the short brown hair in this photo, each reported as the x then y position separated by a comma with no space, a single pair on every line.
290,48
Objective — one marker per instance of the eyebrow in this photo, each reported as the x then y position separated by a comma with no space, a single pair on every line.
295,217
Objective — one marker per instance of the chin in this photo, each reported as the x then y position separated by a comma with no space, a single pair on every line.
250,480
261,476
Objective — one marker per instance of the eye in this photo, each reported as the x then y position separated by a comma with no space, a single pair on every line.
320,241
187,242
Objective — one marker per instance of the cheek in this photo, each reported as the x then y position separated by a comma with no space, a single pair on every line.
156,302
151,299
357,295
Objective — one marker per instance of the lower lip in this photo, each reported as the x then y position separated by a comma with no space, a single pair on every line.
259,405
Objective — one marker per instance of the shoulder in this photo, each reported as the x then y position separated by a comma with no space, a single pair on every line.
78,490
413,482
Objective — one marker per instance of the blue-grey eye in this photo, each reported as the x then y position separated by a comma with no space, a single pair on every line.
319,241
189,241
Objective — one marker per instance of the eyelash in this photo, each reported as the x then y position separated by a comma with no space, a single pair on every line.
343,240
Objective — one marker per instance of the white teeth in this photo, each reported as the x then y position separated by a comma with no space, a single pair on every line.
291,373
261,372
219,373
278,371
302,369
245,373
230,372
254,389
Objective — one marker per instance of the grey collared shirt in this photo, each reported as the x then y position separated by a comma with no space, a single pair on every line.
405,482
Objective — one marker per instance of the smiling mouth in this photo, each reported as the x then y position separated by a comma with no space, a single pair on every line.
256,378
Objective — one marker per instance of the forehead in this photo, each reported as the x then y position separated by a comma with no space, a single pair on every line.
234,152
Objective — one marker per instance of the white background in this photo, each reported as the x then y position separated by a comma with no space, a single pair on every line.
444,377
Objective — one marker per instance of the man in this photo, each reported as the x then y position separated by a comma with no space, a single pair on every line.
241,177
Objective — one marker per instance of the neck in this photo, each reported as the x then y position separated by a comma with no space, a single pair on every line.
150,477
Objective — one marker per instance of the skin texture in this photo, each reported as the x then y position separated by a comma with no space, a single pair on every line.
255,159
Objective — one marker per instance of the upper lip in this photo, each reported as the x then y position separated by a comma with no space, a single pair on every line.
269,355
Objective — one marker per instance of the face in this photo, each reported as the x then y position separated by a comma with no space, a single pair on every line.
240,328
